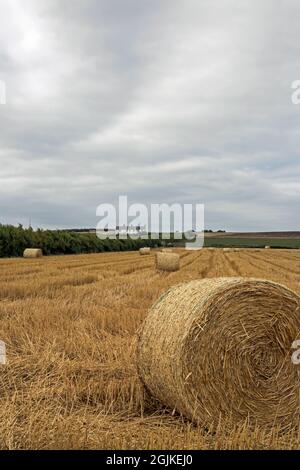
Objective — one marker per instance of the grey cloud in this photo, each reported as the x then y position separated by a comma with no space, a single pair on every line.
164,101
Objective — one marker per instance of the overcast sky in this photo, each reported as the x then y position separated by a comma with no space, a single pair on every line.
168,101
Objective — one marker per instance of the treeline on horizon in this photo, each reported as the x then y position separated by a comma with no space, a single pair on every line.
14,240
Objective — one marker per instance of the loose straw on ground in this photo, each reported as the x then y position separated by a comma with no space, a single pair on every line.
217,348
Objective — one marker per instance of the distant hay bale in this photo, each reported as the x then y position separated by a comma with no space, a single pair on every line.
211,248
267,247
33,253
226,346
145,251
167,261
227,249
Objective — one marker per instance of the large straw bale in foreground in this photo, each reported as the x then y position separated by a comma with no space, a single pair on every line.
221,348
145,251
167,261
32,253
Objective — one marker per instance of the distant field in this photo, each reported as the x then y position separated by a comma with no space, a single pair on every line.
254,234
252,242
70,324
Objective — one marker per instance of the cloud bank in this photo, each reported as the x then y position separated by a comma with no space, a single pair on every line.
169,101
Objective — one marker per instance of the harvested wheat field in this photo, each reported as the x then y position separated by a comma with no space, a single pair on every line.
70,326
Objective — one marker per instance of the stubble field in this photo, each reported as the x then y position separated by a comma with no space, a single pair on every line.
70,327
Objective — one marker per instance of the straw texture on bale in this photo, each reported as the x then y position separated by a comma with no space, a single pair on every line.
33,253
221,348
166,250
167,261
145,251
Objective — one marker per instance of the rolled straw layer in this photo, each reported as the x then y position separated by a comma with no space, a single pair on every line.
145,251
32,253
167,262
216,348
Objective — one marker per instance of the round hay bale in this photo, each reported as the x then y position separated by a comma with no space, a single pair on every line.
167,261
33,253
221,348
145,251
267,247
227,249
